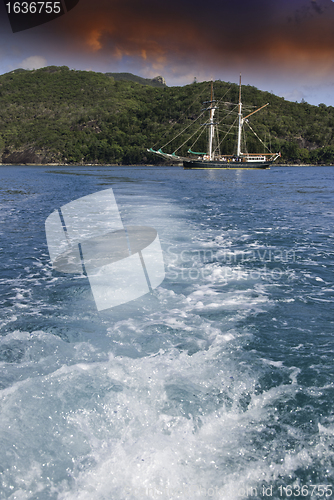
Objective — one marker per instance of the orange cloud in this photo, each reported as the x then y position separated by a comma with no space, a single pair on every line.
224,33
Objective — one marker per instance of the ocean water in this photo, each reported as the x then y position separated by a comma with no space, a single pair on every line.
218,384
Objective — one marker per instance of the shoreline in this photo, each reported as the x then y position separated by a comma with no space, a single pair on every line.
134,165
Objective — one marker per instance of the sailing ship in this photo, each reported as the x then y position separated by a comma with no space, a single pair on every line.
212,158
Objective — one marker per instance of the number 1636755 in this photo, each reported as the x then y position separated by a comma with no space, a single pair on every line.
33,7
309,490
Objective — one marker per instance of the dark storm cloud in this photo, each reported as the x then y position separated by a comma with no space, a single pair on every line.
225,28
316,6
184,32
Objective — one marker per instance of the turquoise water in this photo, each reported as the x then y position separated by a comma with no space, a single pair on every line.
219,384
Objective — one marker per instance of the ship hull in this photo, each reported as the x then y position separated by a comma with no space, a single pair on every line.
199,164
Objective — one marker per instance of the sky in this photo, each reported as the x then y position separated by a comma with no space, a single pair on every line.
282,46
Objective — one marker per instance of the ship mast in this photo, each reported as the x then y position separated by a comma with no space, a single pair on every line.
240,120
211,124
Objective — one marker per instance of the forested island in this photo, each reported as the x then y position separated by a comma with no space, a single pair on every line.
58,115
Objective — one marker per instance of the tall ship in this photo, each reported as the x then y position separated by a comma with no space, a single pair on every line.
212,158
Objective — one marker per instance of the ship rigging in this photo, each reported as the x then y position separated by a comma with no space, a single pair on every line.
213,158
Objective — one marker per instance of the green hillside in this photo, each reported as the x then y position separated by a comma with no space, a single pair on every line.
158,81
57,115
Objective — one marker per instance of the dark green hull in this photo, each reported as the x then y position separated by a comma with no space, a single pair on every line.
188,164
